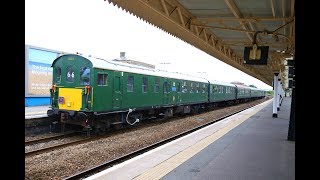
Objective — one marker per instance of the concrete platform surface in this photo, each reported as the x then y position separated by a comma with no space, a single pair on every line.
250,145
36,112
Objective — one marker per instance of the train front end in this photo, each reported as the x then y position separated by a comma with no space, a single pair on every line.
71,94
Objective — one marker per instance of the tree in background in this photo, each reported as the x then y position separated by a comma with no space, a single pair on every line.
252,86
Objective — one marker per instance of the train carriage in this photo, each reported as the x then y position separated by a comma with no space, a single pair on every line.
257,93
221,91
254,92
97,92
243,93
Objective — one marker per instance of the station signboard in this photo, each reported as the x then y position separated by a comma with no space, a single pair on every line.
257,57
39,71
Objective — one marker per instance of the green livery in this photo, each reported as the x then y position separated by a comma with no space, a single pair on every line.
98,93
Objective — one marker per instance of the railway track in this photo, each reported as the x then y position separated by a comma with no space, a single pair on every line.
71,143
126,129
46,139
54,147
107,164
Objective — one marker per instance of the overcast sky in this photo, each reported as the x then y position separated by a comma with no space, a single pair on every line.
95,27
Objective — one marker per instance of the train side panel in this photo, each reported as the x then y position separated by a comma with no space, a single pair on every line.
194,92
141,91
220,92
102,90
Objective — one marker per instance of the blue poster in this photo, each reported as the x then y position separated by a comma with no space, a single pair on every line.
40,71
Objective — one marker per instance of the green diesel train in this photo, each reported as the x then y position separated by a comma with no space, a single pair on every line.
98,93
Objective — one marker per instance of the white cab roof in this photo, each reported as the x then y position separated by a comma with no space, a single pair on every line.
125,67
221,83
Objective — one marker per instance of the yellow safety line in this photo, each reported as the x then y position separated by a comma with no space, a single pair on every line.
170,164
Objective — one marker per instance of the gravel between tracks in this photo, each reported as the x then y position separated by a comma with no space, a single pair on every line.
70,160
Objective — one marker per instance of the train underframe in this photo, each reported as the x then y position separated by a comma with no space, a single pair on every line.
101,122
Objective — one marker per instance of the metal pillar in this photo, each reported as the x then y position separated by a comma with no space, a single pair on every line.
275,95
278,94
291,131
282,93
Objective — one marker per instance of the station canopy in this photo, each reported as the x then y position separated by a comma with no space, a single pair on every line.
225,28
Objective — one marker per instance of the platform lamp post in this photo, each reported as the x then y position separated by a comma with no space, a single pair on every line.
275,95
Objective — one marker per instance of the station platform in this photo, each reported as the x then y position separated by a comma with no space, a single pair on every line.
250,145
36,112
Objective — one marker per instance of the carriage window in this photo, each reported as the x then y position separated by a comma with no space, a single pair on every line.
84,76
191,87
130,84
184,87
102,79
70,74
166,87
157,85
198,88
215,89
58,75
178,87
144,84
204,88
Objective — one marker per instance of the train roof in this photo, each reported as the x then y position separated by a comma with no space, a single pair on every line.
242,86
259,89
248,87
221,83
125,67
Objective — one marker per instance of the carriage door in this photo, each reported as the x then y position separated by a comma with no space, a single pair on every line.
117,89
178,92
165,92
173,93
